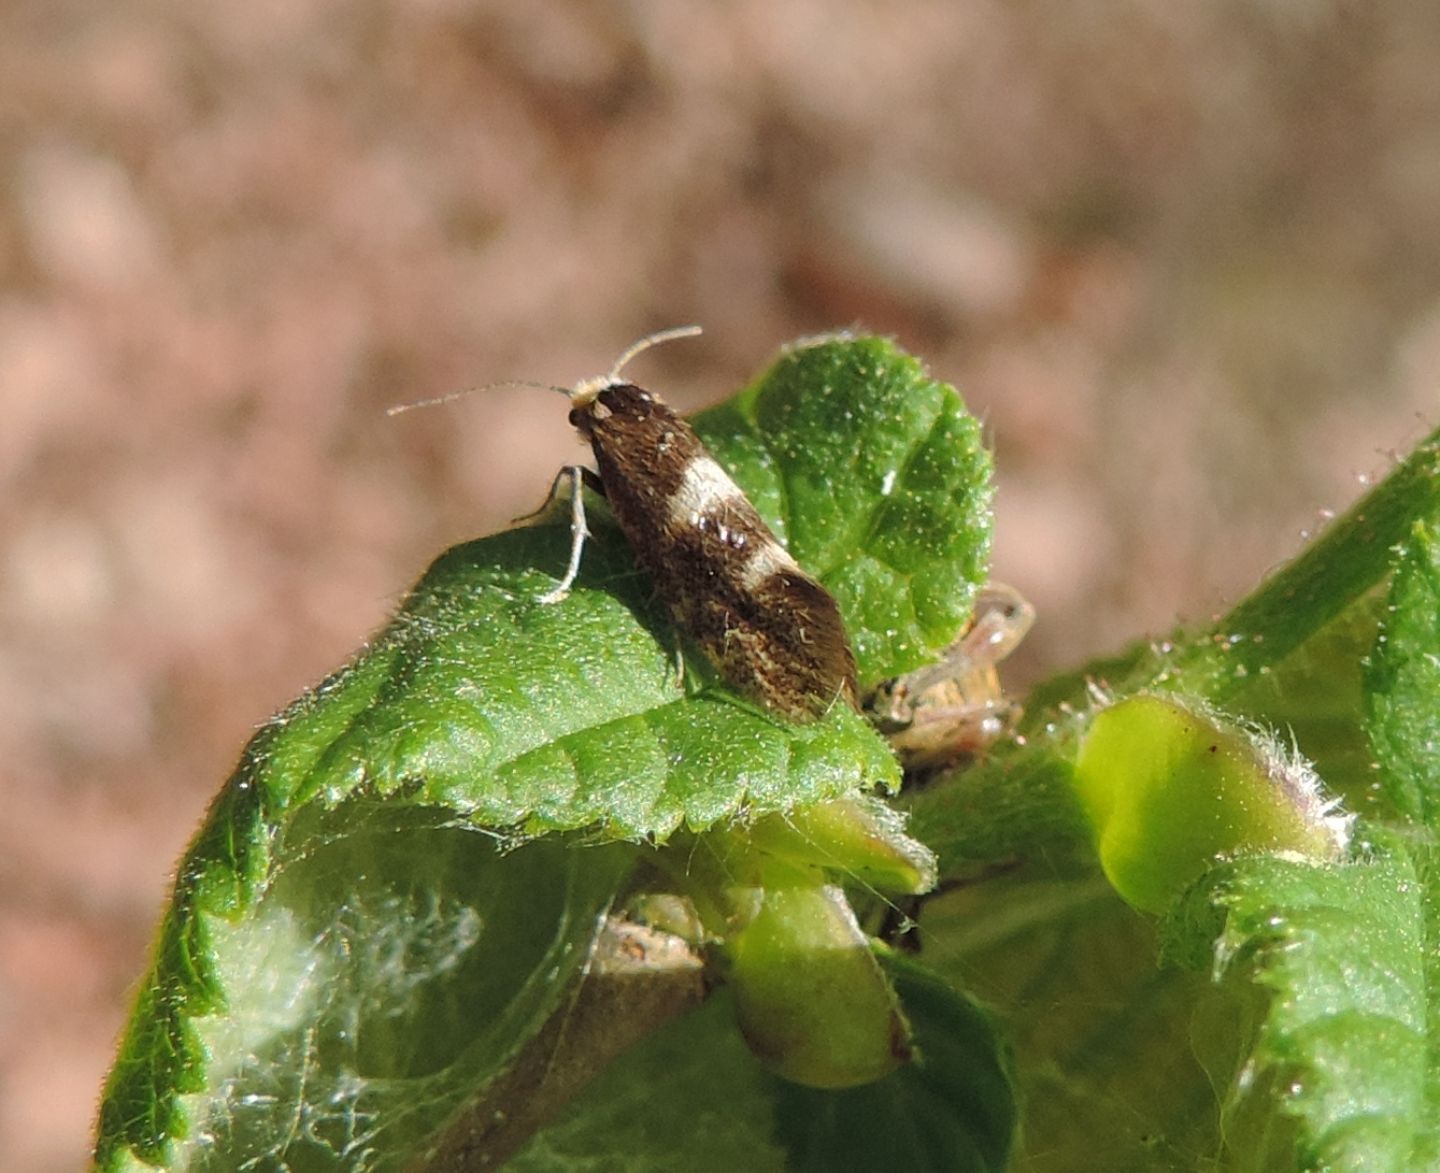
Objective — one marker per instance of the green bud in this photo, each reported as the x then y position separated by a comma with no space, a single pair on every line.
810,997
861,837
1170,788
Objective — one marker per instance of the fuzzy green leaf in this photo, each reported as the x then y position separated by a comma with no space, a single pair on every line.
1324,1030
531,718
891,477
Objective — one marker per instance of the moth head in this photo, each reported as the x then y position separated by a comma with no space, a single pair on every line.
607,400
588,392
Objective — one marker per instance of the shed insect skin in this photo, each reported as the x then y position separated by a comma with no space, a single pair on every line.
955,709
770,630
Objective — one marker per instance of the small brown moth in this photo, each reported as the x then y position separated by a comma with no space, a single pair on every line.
770,630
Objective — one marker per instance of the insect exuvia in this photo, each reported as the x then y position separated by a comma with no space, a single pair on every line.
771,632
955,708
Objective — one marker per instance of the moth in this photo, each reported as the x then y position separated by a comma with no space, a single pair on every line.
956,708
769,629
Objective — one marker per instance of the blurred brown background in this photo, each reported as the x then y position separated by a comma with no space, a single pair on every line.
1184,261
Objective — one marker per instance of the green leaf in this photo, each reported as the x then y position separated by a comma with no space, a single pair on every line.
531,718
1336,1070
891,477
389,969
1403,681
337,910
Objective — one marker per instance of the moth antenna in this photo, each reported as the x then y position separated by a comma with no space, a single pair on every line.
454,395
646,343
636,348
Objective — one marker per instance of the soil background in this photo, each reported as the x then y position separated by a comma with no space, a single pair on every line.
1184,260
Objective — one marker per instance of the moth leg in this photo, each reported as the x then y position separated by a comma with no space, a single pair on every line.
578,477
551,507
